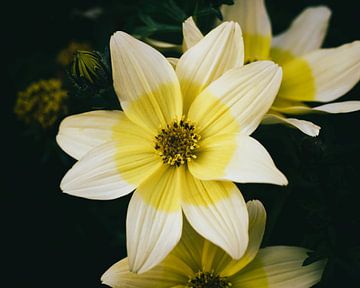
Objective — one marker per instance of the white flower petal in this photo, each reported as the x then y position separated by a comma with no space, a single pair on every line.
255,24
306,33
162,45
279,267
80,133
339,107
257,221
154,219
237,101
191,33
323,75
304,126
161,276
145,82
249,163
173,61
285,106
109,171
214,258
253,164
189,249
220,50
298,108
217,211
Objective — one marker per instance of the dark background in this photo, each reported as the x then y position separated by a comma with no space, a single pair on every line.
50,239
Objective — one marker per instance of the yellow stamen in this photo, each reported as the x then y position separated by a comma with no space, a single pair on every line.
208,280
177,144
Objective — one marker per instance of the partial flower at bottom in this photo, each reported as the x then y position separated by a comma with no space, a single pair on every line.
182,139
197,263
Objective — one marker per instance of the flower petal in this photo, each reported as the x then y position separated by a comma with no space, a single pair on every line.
285,106
213,157
306,33
162,45
80,133
220,50
339,107
145,82
304,126
255,24
217,211
110,171
189,248
333,108
323,75
214,258
248,163
279,267
191,33
154,214
162,275
173,61
237,101
257,221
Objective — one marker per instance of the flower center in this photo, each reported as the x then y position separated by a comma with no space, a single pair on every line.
177,143
208,280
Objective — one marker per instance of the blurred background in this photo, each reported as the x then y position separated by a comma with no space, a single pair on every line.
51,239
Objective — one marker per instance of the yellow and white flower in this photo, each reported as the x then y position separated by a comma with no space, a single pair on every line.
310,74
181,140
196,262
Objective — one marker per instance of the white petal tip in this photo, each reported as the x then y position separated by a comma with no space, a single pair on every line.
310,130
66,182
118,37
339,107
189,20
231,25
63,184
281,179
255,202
316,132
119,34
324,10
284,181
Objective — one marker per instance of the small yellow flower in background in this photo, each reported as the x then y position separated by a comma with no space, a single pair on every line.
197,263
66,56
181,140
42,103
310,74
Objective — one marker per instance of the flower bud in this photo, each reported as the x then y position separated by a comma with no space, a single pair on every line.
89,70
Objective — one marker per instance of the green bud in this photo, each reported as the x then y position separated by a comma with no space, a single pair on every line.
89,70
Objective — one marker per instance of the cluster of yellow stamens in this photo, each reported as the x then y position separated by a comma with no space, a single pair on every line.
208,280
177,144
42,102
